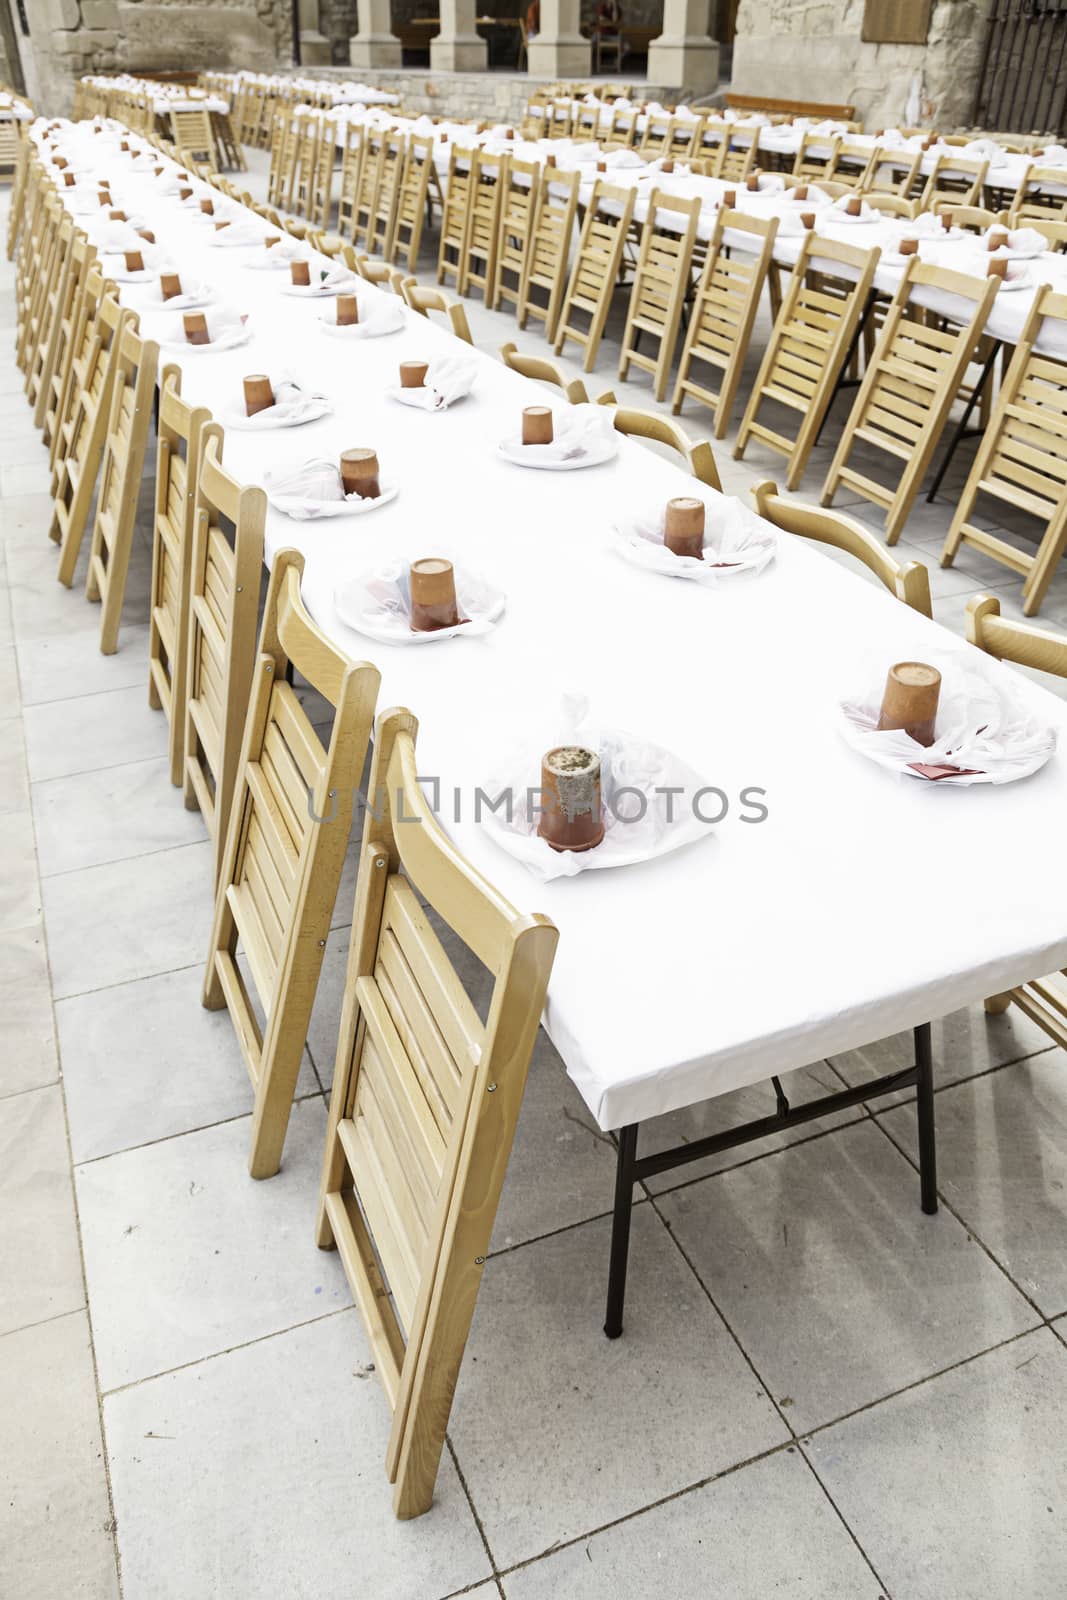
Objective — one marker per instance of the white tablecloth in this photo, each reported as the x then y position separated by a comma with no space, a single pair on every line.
863,905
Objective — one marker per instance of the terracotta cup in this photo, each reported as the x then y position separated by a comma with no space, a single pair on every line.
105,198
807,219
433,595
752,182
854,206
185,193
147,235
909,247
602,166
208,207
571,815
666,166
550,161
68,179
59,161
259,396
910,701
997,267
157,172
729,199
359,473
134,261
537,425
683,526
117,216
220,225
996,238
124,146
300,274
413,374
800,192
946,221
196,330
347,310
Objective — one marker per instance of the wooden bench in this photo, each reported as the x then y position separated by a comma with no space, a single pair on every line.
792,108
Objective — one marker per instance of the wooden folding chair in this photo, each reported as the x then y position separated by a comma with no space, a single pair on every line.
426,300
1055,232
133,392
597,269
33,264
51,398
387,195
80,436
456,218
699,458
737,155
224,577
652,142
284,133
954,178
815,157
182,432
894,171
622,129
285,847
425,1102
908,389
194,137
17,208
909,581
1040,196
308,126
45,305
413,200
478,255
809,344
891,205
1022,457
975,219
518,219
549,253
228,151
67,288
724,311
349,188
852,164
10,140
544,371
660,286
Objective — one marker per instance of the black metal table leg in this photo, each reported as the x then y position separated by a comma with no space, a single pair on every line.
961,430
620,1229
924,1092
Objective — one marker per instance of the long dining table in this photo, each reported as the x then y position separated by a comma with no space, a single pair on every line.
832,904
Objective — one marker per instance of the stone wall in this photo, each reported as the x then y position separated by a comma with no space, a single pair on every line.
69,38
812,50
488,96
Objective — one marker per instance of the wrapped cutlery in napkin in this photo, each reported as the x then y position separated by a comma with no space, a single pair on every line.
1022,243
378,314
378,603
226,328
641,820
583,436
324,281
448,379
314,489
839,212
985,731
735,540
292,406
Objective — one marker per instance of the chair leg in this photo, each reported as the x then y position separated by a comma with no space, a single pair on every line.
620,1229
924,1061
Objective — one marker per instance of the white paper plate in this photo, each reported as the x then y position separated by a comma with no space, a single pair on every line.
232,339
1019,280
270,261
374,329
595,454
235,417
229,240
120,275
303,510
319,291
355,608
403,398
194,300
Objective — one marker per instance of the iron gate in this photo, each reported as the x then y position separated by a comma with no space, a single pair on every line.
1022,87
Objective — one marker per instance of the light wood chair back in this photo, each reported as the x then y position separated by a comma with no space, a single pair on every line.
548,258
285,848
809,344
228,150
349,186
413,201
1022,457
954,178
597,269
424,300
224,577
369,185
737,156
17,209
71,287
387,198
622,128
699,458
891,205
132,396
894,171
182,432
518,219
84,424
816,157
84,293
1040,196
544,371
909,581
34,242
425,1102
975,219
46,306
1054,232
283,135
908,389
661,285
853,163
194,137
478,259
308,138
456,217
724,312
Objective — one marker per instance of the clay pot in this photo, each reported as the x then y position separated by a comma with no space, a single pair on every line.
300,274
359,473
195,325
997,267
602,166
752,182
550,161
170,285
208,207
909,247
854,206
912,690
413,374
68,179
683,527
124,146
59,161
729,199
134,261
800,192
105,198
537,425
347,310
433,595
996,238
571,816
259,396
185,193
807,219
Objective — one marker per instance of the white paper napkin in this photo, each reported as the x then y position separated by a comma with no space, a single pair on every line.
447,380
379,603
224,325
579,432
292,406
378,315
315,489
735,540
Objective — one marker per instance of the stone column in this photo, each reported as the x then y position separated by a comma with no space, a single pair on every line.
375,44
314,46
684,56
559,51
457,48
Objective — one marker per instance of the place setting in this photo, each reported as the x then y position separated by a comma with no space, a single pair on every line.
310,280
361,316
423,601
212,330
283,403
704,538
433,385
351,486
567,440
172,291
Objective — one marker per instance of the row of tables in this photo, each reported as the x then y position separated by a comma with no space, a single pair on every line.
849,913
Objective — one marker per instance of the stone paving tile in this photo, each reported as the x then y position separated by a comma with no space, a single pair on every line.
40,1264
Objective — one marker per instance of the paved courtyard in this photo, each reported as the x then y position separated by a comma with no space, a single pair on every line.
820,1391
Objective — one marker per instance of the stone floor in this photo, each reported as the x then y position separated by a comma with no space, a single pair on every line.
820,1391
